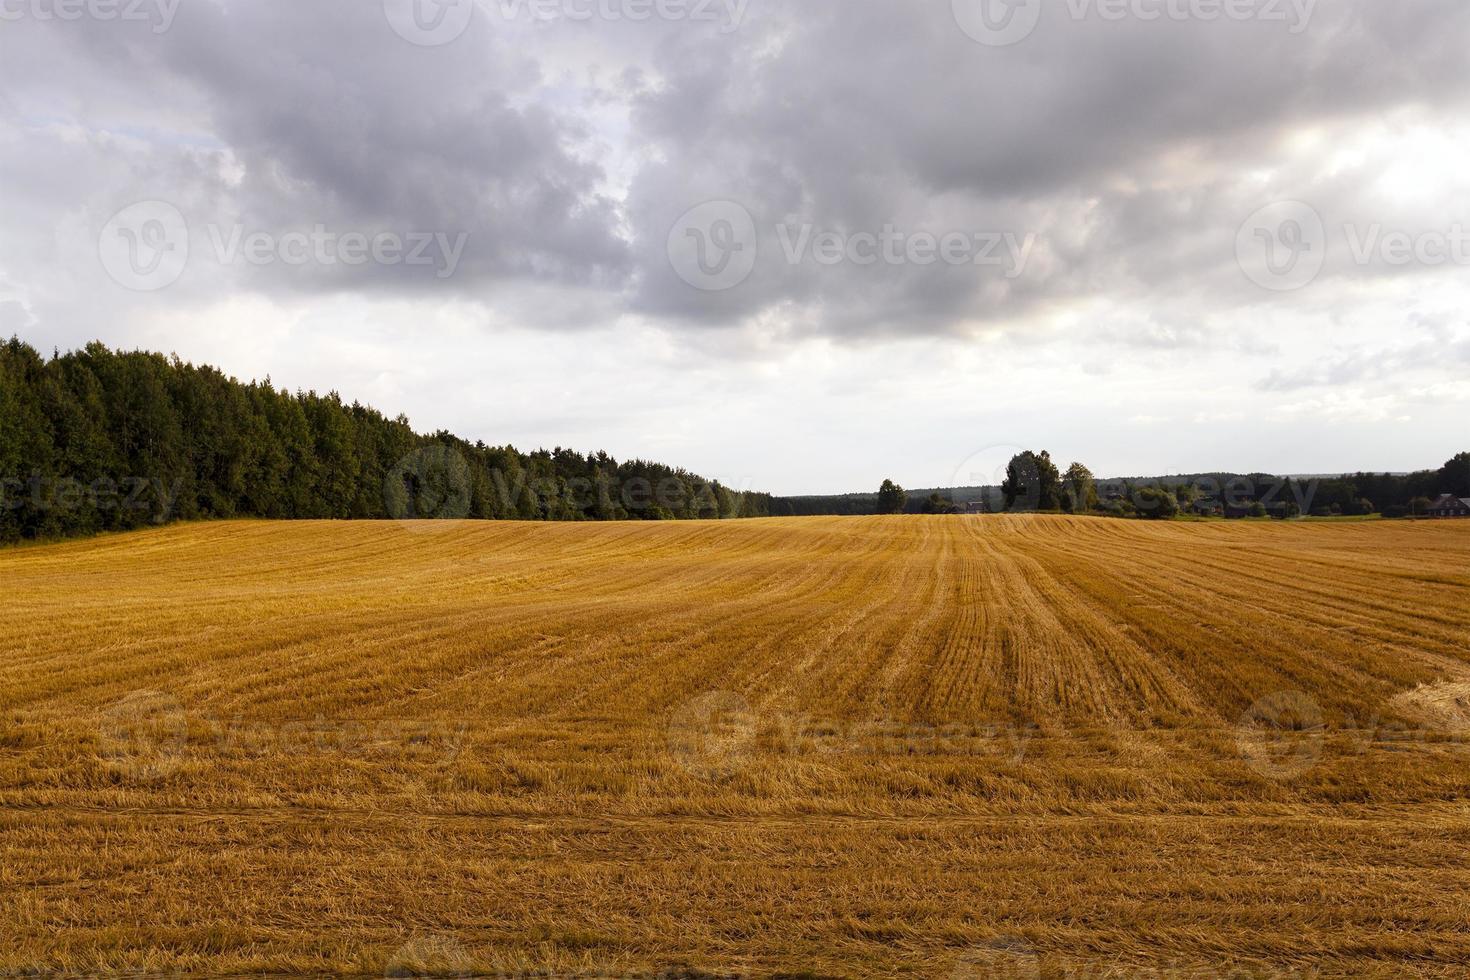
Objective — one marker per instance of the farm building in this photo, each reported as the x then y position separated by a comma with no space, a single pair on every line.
1448,505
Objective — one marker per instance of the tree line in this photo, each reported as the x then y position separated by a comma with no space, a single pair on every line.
100,440
1392,495
1033,482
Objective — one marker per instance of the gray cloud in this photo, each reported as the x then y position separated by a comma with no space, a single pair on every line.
1128,147
279,116
1130,151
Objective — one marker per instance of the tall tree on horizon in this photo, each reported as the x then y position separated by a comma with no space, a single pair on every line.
1456,475
1032,482
1079,490
891,498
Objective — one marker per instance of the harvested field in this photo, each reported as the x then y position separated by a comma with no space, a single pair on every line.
964,746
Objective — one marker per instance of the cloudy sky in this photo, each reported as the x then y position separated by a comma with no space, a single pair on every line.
799,246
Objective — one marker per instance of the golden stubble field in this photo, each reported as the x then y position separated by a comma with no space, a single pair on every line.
953,747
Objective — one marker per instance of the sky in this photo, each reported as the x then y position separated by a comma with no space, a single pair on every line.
798,247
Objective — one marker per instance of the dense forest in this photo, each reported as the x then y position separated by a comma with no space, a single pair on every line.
98,440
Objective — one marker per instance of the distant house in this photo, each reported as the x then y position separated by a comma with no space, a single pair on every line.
1448,505
976,507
